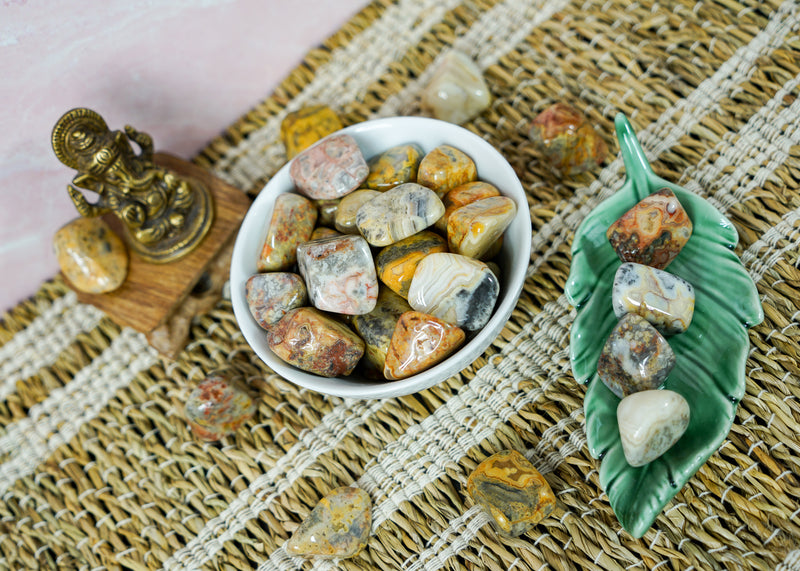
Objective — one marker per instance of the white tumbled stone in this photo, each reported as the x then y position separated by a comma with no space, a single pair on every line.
457,92
650,423
398,213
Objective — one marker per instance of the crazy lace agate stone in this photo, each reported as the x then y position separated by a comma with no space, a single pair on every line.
217,408
445,168
653,232
473,229
396,263
454,288
398,213
457,92
376,329
270,296
348,208
292,222
338,527
310,340
394,167
301,129
330,169
513,491
663,299
650,423
461,196
635,357
420,341
321,232
326,211
91,256
339,274
567,139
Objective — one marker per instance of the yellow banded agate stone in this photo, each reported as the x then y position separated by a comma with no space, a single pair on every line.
394,167
462,195
445,168
397,262
301,129
376,329
474,228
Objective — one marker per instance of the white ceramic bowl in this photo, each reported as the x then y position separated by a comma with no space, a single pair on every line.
374,137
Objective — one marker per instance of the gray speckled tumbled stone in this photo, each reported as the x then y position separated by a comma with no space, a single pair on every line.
398,213
330,169
270,296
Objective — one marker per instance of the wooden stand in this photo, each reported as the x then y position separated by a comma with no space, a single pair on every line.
161,299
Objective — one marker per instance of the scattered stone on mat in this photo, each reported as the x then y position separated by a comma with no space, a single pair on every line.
91,256
217,408
326,209
338,527
348,208
635,357
304,127
292,222
653,232
398,213
513,491
339,274
314,342
567,140
663,299
394,167
457,92
461,196
473,229
376,329
650,423
397,262
445,168
270,296
419,342
454,288
321,232
331,169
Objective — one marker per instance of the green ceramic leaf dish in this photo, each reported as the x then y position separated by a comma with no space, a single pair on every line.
711,354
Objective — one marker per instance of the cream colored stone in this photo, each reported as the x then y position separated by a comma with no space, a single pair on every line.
650,423
457,92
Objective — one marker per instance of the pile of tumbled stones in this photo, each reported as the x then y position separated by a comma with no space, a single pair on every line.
650,304
378,263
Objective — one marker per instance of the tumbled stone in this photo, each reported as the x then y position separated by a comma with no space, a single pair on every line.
217,408
321,232
419,342
473,229
513,491
445,168
348,208
304,127
398,213
270,296
338,527
293,219
314,342
326,209
91,256
663,299
494,249
394,167
455,288
457,92
376,329
650,423
397,262
339,274
461,196
567,139
635,357
330,169
653,232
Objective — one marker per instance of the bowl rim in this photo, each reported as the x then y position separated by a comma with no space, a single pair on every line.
425,128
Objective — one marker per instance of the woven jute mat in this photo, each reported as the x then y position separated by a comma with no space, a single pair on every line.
99,471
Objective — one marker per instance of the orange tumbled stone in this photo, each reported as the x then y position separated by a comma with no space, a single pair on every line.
397,262
91,256
512,490
292,222
473,229
419,342
463,195
301,129
445,168
567,139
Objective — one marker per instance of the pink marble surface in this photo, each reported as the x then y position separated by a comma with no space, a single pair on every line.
179,70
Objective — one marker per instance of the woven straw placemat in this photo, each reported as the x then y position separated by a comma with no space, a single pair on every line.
99,471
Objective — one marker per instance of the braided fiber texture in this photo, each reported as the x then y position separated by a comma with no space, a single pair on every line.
98,469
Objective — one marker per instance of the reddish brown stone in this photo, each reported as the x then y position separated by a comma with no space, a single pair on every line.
567,140
419,342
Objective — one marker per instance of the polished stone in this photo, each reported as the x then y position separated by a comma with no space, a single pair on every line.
650,423
445,168
321,232
270,296
513,491
568,141
376,329
474,229
339,274
396,263
314,342
292,222
419,342
635,357
217,408
457,91
398,213
326,209
463,195
653,232
454,288
348,208
302,128
330,169
91,256
663,299
394,167
338,527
